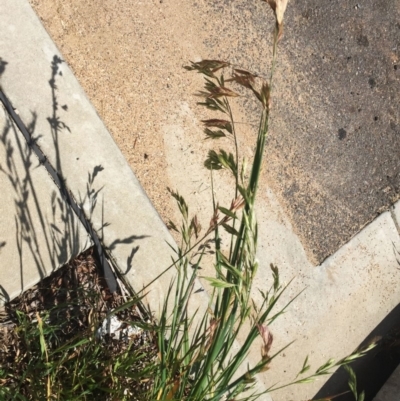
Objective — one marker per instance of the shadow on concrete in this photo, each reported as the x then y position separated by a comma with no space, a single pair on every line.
49,239
3,64
375,368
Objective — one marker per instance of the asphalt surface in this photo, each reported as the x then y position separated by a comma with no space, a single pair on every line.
337,140
335,136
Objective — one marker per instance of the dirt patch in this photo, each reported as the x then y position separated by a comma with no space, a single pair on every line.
72,304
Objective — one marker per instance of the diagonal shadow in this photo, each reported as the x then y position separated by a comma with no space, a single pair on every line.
58,230
47,241
3,64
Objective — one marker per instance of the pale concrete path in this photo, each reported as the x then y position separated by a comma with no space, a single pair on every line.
345,297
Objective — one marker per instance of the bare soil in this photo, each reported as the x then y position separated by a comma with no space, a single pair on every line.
75,300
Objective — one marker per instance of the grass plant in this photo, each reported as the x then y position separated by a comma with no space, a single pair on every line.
197,363
50,347
56,354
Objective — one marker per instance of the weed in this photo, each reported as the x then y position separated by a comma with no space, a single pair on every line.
197,361
50,345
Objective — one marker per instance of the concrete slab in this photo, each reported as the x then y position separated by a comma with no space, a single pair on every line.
344,299
38,231
391,390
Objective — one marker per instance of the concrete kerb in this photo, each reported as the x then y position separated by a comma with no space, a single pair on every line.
345,298
347,295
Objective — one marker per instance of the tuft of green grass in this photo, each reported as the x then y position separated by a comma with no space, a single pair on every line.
196,357
50,345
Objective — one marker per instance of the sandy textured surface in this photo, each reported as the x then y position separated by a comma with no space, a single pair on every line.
334,144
